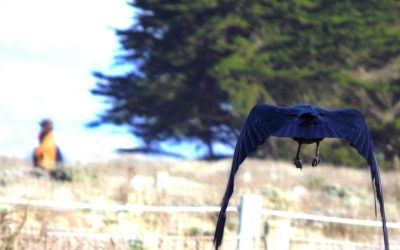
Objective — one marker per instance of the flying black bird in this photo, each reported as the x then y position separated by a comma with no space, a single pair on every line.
305,124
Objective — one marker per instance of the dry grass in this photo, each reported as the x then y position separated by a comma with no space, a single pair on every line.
10,228
325,190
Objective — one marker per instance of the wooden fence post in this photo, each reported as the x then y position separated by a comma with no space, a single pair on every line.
249,222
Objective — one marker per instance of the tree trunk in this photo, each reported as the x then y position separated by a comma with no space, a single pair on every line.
211,154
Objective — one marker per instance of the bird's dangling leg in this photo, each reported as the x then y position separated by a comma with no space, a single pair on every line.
317,158
297,162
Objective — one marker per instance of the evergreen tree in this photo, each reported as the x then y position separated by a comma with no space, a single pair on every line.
201,65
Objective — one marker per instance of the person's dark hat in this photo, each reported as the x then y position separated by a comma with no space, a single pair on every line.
45,122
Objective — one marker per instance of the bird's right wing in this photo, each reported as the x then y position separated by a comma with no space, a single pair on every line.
351,126
262,121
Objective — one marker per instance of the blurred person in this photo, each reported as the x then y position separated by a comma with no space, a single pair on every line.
47,155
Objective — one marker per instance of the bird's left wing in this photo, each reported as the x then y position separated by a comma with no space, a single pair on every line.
350,125
262,121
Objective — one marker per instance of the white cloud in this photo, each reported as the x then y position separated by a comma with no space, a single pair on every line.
48,49
75,28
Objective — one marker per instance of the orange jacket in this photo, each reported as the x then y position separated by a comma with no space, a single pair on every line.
46,153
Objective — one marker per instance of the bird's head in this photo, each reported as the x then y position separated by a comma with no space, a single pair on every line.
309,118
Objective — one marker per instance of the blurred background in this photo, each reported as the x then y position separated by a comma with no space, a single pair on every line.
147,98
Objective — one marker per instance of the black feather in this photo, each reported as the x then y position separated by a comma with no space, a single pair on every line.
306,122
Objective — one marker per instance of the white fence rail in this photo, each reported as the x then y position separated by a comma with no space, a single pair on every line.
250,240
331,219
61,205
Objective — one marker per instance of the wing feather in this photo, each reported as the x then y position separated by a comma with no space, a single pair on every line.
261,122
353,128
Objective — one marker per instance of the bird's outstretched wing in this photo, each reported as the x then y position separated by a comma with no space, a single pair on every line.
267,120
262,121
350,125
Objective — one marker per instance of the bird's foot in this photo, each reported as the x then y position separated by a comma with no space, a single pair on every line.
298,163
316,161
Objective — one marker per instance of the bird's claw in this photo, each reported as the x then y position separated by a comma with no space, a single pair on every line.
298,163
316,162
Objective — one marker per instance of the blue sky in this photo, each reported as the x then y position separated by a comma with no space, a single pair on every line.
48,49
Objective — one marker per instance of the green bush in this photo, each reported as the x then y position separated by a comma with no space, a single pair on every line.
340,154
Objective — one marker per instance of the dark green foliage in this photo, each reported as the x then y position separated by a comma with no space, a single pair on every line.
201,65
340,153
